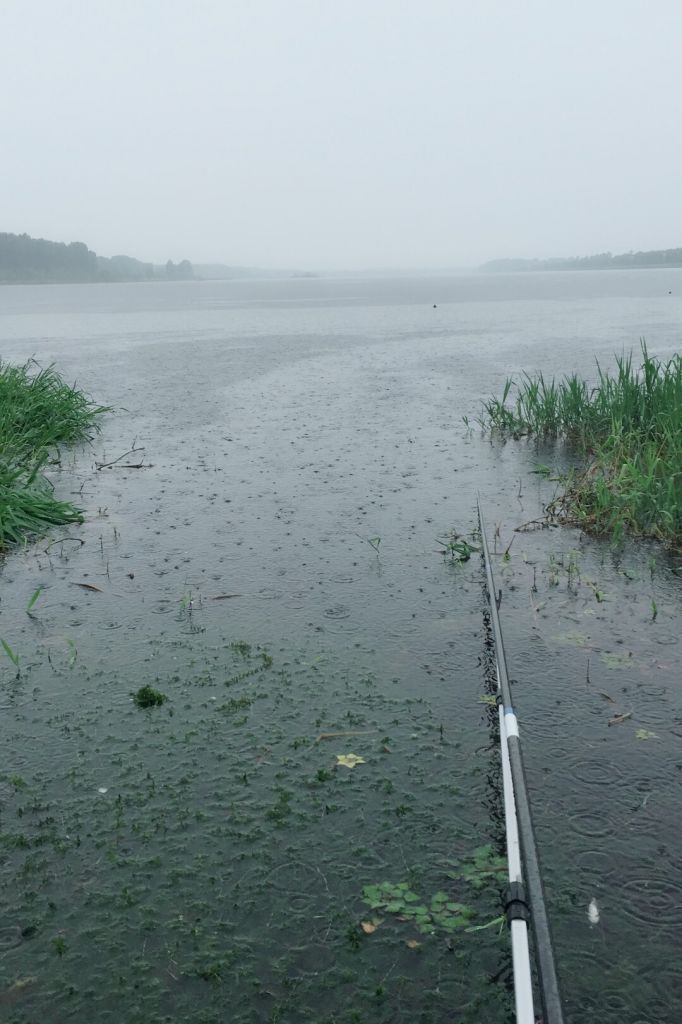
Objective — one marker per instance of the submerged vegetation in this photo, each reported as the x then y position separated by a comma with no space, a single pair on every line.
148,697
482,869
627,428
39,412
225,839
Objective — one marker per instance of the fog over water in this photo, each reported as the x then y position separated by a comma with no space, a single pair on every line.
316,136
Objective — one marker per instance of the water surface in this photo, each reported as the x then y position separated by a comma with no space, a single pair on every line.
206,860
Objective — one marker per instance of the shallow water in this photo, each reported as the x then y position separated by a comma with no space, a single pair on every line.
284,426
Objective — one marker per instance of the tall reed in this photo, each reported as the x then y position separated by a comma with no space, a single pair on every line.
39,413
627,427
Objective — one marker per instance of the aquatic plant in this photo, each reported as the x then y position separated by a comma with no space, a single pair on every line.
374,542
11,653
483,867
438,913
263,663
399,899
456,548
39,412
34,597
628,431
148,697
156,802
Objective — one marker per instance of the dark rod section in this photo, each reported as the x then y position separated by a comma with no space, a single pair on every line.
542,944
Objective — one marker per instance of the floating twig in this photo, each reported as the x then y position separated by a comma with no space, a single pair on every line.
619,719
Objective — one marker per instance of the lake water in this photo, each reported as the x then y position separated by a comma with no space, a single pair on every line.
301,448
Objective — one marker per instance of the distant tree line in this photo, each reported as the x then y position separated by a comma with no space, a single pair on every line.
25,260
602,261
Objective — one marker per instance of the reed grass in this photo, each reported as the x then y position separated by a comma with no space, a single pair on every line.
627,428
39,413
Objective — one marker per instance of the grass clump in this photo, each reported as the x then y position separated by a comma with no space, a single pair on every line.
627,427
39,413
148,697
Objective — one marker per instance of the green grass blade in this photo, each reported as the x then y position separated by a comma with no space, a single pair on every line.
12,655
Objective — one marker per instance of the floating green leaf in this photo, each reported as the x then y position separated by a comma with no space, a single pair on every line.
458,549
399,899
483,867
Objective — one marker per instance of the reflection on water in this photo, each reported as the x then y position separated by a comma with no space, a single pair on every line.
209,857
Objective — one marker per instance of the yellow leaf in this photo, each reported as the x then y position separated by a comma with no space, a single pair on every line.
21,983
368,927
412,944
349,760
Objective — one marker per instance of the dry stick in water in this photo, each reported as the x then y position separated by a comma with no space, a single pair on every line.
618,719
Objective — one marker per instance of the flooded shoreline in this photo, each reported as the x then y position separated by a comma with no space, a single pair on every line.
225,861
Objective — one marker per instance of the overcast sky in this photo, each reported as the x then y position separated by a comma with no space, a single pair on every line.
342,133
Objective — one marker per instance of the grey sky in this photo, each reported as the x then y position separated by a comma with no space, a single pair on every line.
342,133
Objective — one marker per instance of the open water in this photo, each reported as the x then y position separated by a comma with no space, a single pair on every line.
299,446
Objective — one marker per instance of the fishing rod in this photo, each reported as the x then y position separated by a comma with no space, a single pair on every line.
526,899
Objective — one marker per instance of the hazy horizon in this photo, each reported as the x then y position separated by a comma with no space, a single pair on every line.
397,270
328,138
